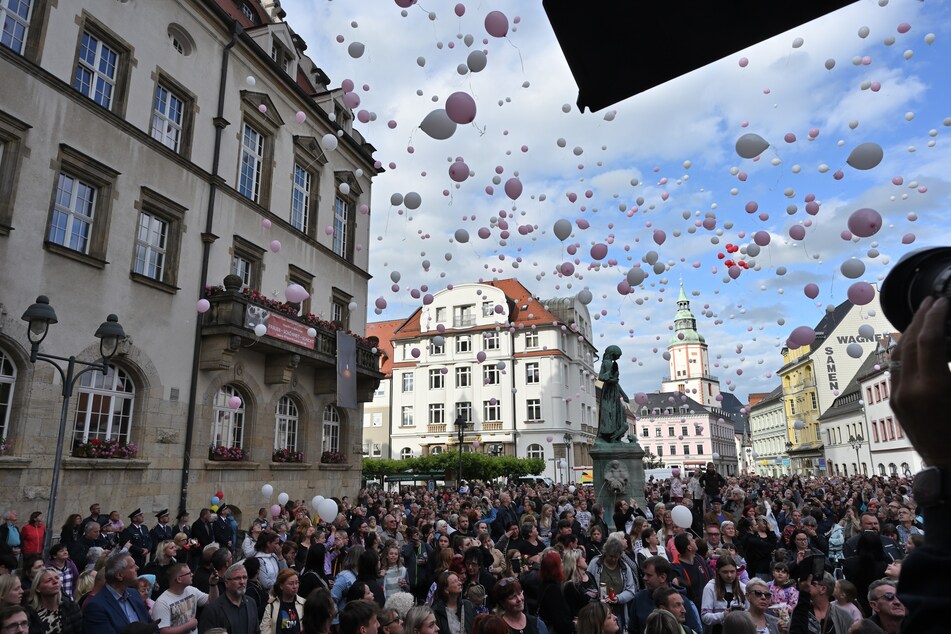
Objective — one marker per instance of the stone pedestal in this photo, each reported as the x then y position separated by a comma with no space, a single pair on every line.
618,474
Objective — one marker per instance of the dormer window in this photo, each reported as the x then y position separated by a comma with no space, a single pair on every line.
249,13
280,55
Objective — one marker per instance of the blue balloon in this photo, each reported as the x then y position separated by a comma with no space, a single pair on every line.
215,499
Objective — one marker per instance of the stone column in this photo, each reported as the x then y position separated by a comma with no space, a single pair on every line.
618,474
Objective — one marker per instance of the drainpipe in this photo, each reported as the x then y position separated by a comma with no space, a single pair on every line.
207,238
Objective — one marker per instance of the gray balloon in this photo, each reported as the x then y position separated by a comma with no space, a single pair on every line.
462,236
562,229
636,276
412,200
853,268
396,199
438,125
751,145
476,61
356,50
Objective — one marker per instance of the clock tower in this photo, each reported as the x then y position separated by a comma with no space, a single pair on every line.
689,359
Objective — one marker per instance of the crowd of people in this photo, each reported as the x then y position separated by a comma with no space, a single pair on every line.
700,553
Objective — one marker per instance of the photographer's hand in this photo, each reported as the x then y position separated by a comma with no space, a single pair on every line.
921,381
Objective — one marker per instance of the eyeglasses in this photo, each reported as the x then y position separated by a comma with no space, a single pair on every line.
888,596
713,534
759,593
19,625
391,622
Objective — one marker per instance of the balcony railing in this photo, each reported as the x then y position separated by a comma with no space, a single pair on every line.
463,322
492,426
436,428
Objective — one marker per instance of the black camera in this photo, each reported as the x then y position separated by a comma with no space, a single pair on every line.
917,275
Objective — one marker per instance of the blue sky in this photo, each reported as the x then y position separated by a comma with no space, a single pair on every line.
663,160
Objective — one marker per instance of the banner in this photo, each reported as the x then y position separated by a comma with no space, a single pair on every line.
279,327
346,371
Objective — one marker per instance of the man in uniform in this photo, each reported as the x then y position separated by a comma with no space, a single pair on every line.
138,538
162,531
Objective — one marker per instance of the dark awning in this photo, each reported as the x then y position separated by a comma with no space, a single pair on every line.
619,48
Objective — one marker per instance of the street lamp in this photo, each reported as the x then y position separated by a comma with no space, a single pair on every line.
857,442
789,447
461,427
40,316
568,454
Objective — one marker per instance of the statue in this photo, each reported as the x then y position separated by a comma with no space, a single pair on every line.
615,477
612,424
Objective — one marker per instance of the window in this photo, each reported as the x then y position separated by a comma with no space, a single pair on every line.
342,237
660,451
868,394
699,449
531,373
437,380
297,275
488,309
171,116
246,262
12,131
180,40
437,413
898,430
15,15
686,450
228,425
281,56
252,163
814,400
490,375
536,451
531,339
300,198
463,316
407,381
406,416
464,377
285,424
645,432
436,450
874,431
683,431
490,341
79,216
670,431
673,450
157,240
435,348
464,411
657,432
331,436
405,453
491,410
8,380
534,409
104,408
249,13
464,344
97,70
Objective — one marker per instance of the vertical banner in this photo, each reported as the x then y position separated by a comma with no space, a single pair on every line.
346,371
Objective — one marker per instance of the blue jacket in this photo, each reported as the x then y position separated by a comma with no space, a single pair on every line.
644,605
102,614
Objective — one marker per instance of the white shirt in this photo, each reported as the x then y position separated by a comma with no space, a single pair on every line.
173,610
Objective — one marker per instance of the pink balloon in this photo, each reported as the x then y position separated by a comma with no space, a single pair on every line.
861,293
513,188
908,238
203,305
480,356
300,117
329,230
351,100
296,293
567,269
811,291
461,107
659,236
275,510
802,336
549,438
380,303
812,208
363,116
865,222
460,9
582,223
275,246
599,251
790,137
904,27
458,171
734,271
266,223
761,238
262,108
347,85
797,232
234,402
496,24
415,353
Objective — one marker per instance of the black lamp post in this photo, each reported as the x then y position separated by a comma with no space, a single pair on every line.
40,316
461,427
857,442
568,455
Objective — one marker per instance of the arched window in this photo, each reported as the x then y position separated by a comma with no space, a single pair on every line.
892,469
331,436
905,469
228,428
536,451
881,469
104,408
405,453
8,379
433,451
285,424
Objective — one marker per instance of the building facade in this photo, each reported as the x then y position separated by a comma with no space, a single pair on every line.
516,369
154,154
769,435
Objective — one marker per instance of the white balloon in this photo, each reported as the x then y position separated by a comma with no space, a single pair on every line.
682,516
476,61
413,200
329,141
282,498
260,330
267,490
438,125
562,229
327,510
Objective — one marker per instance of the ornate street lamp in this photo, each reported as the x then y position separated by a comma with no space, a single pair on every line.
461,428
568,455
856,442
40,317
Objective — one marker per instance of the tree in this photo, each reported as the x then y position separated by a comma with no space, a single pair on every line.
475,466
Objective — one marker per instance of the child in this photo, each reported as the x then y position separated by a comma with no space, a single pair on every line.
476,596
845,593
783,589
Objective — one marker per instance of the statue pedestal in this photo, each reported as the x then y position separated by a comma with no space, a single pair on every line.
618,474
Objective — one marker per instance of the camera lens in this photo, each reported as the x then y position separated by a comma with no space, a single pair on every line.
917,275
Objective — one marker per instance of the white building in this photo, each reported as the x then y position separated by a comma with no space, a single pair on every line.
768,432
147,151
518,369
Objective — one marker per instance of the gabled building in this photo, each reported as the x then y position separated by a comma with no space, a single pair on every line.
768,434
517,370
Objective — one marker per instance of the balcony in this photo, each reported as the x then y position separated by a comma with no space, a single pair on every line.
466,321
436,428
492,426
228,329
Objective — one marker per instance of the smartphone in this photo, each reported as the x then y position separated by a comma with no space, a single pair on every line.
814,565
516,565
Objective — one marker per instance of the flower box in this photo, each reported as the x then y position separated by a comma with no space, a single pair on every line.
5,446
106,449
287,455
333,457
228,454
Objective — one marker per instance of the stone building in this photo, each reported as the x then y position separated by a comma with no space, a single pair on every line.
148,150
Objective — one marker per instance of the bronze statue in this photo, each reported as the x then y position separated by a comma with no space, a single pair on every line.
612,424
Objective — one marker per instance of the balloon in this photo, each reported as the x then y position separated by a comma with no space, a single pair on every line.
799,425
412,200
549,438
865,222
866,156
215,499
220,495
296,293
327,510
460,9
282,498
438,125
214,508
329,142
315,502
203,305
380,303
476,61
676,470
802,336
396,199
312,332
262,108
300,117
562,229
513,188
659,236
267,490
266,223
260,330
751,145
356,50
811,291
571,488
461,107
854,350
496,24
250,80
682,516
585,296
234,402
480,356
458,171
461,236
275,510
276,246
861,293
761,238
853,268
797,232
715,456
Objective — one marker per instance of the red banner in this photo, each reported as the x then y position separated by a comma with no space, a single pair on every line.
280,327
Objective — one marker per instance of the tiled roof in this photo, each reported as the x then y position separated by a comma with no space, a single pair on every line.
383,330
770,398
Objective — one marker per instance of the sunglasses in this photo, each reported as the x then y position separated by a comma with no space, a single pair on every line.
888,596
759,593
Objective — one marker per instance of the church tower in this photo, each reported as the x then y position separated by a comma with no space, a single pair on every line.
689,361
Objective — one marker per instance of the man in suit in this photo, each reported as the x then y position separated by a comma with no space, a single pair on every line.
118,604
716,515
162,531
221,529
92,537
202,530
138,538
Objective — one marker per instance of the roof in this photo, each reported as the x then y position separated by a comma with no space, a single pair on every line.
823,329
769,399
383,330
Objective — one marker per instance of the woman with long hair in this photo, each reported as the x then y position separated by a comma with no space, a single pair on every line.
165,557
250,539
368,571
580,588
313,577
650,548
420,620
596,618
721,594
69,575
662,622
304,538
32,564
319,611
392,570
510,605
552,606
70,533
11,590
285,609
545,524
623,513
32,534
454,614
758,548
345,578
57,613
489,624
595,540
